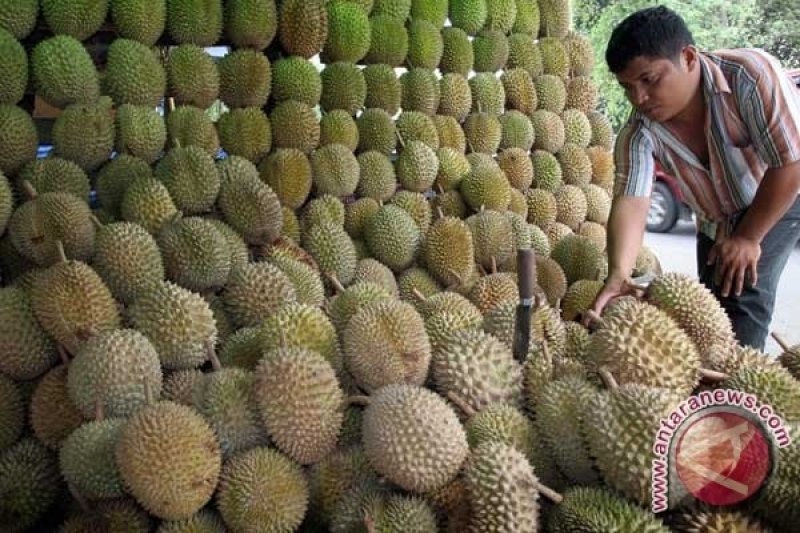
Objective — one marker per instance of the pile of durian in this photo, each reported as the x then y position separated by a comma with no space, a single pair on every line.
286,302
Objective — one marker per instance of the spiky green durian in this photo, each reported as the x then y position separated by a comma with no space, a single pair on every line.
245,78
376,131
148,203
296,78
14,63
388,43
343,87
85,133
383,88
140,131
251,23
79,19
457,54
349,34
197,23
134,74
294,125
303,27
18,17
29,484
114,179
87,459
192,76
143,22
63,72
18,139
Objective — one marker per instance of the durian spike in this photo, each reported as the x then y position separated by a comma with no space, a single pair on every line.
782,342
712,375
212,356
418,295
335,281
549,493
369,523
84,505
359,400
493,263
99,413
62,352
400,140
608,379
62,255
461,403
29,190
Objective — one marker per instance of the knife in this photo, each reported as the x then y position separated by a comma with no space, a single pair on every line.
526,271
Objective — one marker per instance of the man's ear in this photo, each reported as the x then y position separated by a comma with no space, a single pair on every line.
689,56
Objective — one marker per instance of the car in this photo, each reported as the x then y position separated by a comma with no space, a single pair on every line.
667,205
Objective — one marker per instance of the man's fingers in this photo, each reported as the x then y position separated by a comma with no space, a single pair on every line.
740,273
712,255
726,275
753,273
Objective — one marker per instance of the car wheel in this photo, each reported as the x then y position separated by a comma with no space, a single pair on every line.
663,213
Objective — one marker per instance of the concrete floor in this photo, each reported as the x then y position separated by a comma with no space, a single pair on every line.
676,251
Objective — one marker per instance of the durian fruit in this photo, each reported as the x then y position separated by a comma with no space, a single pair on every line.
442,322
598,509
549,132
245,78
228,404
169,460
26,350
706,519
71,302
455,96
348,35
578,256
294,125
393,237
338,127
556,232
646,262
141,132
542,208
619,426
300,402
190,175
776,501
303,27
576,166
87,461
195,254
335,170
451,134
539,241
76,19
555,59
493,290
583,95
520,90
301,326
488,94
416,126
694,309
332,249
773,385
296,78
112,370
377,179
376,131
417,207
347,302
641,344
550,277
324,208
191,126
385,342
420,91
182,341
425,44
388,41
307,283
453,167
256,290
143,22
551,93
19,17
63,72
128,259
203,521
343,87
560,418
790,358
14,63
517,131
484,132
29,484
192,76
240,253
579,298
545,326
262,487
12,413
19,139
457,54
201,24
602,133
147,202
53,416
479,368
448,250
492,238
251,24
486,186
469,15
85,133
245,132
186,387
134,74
249,205
358,214
383,88
598,205
571,206
524,53
373,271
502,489
288,173
118,514
413,438
416,166
490,50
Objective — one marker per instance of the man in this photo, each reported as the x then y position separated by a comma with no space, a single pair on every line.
727,126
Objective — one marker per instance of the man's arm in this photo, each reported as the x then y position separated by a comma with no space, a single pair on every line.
738,254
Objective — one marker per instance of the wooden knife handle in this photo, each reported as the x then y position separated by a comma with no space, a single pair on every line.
526,271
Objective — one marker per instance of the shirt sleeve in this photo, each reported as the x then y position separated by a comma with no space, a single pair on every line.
633,160
770,108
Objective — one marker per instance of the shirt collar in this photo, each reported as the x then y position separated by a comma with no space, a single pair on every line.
713,78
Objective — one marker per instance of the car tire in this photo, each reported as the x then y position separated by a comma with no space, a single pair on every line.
663,213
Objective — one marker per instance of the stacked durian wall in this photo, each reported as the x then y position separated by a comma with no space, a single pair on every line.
274,289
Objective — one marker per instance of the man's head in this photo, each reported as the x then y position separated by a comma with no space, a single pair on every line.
653,56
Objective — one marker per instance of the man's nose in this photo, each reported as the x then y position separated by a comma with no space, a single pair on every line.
639,96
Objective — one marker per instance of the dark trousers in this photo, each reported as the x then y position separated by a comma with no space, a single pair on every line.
751,312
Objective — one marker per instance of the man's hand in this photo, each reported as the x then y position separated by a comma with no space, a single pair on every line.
614,288
735,257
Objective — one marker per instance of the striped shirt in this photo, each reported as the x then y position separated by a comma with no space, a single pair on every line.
753,121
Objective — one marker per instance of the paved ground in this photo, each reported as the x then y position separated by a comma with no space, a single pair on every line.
676,251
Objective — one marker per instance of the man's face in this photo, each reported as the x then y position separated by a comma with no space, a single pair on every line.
657,87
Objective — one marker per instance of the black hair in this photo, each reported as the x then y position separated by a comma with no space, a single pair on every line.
655,32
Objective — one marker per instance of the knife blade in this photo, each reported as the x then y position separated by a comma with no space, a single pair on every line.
526,272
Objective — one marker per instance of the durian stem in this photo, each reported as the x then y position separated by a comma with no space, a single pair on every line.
494,264
335,282
546,350
608,379
439,212
212,356
418,295
461,403
171,103
62,352
785,346
439,188
62,255
29,190
96,221
549,493
712,375
400,139
359,400
99,413
282,338
84,505
459,279
369,523
482,270
148,393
